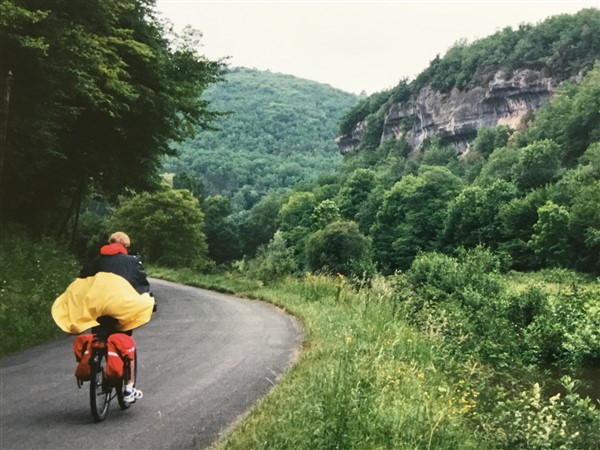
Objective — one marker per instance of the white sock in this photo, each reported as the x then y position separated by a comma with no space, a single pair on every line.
129,387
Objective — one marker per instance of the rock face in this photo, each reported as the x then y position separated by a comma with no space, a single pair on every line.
456,116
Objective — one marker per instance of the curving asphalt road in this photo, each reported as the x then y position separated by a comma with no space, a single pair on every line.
204,359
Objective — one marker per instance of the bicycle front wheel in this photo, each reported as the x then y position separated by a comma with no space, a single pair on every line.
99,388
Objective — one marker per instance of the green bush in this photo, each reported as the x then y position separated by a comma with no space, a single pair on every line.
531,421
524,307
34,272
566,331
471,280
340,248
166,226
273,261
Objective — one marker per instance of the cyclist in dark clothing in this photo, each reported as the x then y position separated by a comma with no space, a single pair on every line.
114,258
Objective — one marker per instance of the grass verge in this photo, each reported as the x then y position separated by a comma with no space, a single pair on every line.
364,380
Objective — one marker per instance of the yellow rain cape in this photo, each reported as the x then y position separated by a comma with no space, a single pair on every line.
104,294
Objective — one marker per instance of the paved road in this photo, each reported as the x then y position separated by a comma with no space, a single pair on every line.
204,359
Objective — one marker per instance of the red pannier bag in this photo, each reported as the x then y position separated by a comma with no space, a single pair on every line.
121,350
82,347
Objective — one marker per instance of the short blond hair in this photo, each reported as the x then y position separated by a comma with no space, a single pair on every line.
118,237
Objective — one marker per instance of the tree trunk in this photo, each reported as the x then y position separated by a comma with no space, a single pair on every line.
3,130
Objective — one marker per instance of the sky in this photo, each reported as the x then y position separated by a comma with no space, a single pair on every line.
351,45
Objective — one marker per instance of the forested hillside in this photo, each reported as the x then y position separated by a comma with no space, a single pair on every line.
529,193
278,130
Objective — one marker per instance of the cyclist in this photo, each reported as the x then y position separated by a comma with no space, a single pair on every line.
112,285
114,258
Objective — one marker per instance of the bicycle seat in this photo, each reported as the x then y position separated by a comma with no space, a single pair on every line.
108,326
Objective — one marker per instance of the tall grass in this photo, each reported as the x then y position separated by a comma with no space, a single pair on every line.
466,379
34,271
365,379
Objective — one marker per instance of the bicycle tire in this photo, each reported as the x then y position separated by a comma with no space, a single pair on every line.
99,388
122,403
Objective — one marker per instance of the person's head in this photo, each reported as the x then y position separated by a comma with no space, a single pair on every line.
118,237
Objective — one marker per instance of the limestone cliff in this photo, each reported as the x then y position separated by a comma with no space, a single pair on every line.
456,116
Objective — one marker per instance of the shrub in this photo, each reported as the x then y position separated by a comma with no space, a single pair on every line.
34,272
339,248
529,421
566,330
166,226
273,261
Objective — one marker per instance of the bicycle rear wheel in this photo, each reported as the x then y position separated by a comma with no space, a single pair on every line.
99,388
122,403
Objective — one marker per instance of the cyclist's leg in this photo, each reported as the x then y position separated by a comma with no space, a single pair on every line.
130,392
130,374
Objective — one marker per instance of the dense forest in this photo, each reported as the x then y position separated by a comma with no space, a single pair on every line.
530,195
276,131
93,98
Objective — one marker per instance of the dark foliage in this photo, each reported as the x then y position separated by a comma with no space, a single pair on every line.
97,93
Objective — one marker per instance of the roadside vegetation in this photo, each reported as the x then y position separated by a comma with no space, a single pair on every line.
408,362
34,271
447,355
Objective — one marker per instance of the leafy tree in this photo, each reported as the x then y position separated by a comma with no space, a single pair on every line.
340,247
261,223
473,216
325,213
412,215
355,192
550,238
297,211
585,217
591,158
435,153
295,221
517,218
577,191
222,233
539,163
489,139
98,92
192,183
572,118
371,138
166,226
500,165
367,106
245,198
273,261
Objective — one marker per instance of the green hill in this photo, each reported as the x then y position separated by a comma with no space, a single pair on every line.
279,130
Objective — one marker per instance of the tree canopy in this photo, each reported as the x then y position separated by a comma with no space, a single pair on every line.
167,225
98,89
